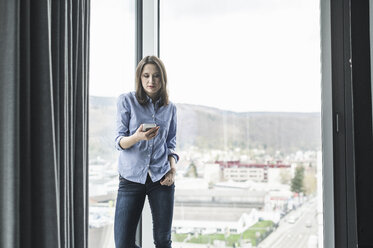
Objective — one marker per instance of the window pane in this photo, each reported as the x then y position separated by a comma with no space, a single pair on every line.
245,76
112,65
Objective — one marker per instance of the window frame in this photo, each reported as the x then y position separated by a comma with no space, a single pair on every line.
138,57
362,120
147,43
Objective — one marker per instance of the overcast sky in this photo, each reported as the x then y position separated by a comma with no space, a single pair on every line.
240,55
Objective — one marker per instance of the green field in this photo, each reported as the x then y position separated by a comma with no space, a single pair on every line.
263,227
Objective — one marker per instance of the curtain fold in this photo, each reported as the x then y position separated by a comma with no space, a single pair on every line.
44,54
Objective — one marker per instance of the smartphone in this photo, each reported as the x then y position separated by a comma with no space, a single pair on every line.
147,126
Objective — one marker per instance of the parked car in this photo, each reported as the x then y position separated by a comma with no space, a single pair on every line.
291,220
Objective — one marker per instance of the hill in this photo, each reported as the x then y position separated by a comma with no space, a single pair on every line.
212,128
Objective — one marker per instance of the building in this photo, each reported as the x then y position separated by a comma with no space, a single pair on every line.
205,220
240,172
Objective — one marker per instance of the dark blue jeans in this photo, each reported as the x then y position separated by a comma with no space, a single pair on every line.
130,202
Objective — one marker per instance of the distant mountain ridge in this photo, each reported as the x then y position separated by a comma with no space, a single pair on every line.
207,127
212,128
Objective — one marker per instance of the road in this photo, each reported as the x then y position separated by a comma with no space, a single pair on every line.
295,235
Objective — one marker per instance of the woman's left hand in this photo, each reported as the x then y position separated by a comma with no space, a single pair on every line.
169,178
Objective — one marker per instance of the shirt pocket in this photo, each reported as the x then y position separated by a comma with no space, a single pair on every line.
164,127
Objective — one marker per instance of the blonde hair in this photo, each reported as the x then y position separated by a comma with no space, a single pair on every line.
140,92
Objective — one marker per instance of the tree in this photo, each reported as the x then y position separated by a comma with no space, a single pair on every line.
310,183
297,181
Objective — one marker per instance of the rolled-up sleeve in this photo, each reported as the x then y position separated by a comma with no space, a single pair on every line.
123,116
171,138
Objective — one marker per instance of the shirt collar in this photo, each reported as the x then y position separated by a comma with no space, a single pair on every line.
151,100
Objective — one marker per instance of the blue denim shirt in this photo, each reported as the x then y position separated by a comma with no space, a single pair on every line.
146,156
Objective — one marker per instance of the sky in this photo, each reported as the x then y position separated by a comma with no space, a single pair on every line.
239,55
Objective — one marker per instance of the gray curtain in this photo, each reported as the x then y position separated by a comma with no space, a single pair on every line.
44,54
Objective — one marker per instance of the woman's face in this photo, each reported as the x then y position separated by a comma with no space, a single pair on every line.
151,80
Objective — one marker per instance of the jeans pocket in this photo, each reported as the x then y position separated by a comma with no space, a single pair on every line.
125,184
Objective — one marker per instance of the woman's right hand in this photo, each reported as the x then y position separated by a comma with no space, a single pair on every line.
148,135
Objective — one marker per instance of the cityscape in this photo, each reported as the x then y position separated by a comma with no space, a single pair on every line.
235,196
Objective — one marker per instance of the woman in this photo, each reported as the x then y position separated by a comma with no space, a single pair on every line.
147,159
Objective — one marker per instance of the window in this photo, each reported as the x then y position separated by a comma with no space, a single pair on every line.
245,76
112,67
